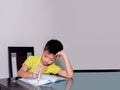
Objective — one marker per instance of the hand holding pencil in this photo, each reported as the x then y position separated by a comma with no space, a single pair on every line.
37,72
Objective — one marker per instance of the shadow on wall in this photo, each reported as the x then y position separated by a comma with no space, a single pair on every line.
60,62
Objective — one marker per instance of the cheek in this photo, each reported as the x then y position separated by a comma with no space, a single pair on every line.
43,59
50,62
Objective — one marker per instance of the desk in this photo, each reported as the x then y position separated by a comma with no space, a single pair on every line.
81,81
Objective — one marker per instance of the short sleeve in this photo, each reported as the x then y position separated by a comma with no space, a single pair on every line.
28,62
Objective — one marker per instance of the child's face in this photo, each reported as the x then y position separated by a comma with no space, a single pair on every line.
48,58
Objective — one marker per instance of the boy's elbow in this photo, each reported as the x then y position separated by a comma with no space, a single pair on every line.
18,73
70,76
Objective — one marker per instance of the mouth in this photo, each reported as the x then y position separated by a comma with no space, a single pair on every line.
46,64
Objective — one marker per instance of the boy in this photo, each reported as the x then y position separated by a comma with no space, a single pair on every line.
45,64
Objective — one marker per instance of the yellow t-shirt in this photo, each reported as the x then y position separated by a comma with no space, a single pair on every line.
33,61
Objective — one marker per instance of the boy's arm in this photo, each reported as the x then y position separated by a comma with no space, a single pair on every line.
23,72
69,70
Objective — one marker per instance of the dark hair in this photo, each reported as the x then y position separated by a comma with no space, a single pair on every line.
53,46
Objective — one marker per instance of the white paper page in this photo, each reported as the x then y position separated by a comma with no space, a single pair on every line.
45,79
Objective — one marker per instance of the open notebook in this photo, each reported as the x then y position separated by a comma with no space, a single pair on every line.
44,79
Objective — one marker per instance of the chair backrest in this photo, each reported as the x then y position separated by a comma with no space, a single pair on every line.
16,57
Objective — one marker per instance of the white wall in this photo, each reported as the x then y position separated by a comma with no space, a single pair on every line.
89,30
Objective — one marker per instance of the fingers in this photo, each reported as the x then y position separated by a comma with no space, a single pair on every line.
34,75
60,53
37,71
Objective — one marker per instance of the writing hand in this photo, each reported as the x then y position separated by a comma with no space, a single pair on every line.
37,71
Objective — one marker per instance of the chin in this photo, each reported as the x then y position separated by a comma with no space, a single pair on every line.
45,64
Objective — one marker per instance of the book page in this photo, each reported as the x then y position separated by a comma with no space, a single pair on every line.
44,79
35,82
53,78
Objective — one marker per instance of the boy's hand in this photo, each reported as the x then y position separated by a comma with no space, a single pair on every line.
37,71
61,53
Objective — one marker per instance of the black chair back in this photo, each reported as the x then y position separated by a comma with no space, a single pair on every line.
20,54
